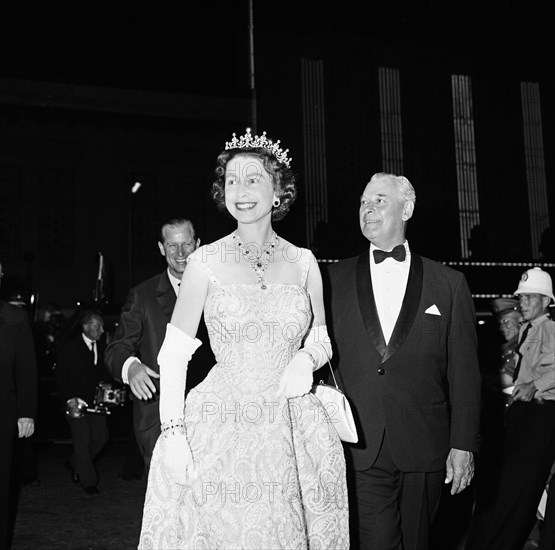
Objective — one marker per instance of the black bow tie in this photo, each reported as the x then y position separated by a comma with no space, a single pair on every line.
398,253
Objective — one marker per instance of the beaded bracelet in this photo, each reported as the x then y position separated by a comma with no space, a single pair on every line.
172,427
170,424
170,433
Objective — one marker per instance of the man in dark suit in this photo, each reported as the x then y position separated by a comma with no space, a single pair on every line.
18,395
79,370
132,354
405,337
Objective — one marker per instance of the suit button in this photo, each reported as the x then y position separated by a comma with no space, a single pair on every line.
381,372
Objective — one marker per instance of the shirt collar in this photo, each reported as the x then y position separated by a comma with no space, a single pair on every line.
539,320
174,281
87,340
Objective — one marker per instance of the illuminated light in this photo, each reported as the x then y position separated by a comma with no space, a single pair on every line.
545,265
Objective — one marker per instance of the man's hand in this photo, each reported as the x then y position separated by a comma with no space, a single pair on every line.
524,392
460,470
140,380
25,427
506,380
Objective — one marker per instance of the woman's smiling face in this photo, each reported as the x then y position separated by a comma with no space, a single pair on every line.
249,189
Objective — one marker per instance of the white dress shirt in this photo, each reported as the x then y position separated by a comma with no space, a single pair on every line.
90,343
389,281
175,282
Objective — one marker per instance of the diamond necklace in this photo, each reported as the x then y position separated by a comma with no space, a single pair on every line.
258,260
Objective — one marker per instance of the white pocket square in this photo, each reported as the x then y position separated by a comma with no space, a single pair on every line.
432,310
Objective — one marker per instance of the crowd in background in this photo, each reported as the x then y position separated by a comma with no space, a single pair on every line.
87,358
53,326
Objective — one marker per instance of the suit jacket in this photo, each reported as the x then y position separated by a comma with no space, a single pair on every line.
424,387
76,373
18,368
141,331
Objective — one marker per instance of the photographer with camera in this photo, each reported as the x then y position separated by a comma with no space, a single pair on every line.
79,372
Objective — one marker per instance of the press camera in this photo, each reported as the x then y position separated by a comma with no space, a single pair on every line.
107,395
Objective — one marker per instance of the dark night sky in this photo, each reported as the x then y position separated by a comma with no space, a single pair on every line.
203,47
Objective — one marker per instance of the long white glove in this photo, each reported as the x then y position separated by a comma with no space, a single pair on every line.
173,358
297,376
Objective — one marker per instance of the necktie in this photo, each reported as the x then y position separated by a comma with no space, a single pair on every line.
517,350
93,351
398,253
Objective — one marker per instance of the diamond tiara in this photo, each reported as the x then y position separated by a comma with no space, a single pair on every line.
259,141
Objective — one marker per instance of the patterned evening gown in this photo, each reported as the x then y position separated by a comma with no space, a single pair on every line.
270,472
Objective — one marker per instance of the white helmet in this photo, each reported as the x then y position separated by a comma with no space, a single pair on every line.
536,281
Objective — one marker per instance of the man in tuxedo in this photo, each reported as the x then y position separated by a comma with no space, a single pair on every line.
404,330
18,395
132,354
79,370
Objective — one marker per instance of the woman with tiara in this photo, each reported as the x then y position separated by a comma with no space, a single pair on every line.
251,459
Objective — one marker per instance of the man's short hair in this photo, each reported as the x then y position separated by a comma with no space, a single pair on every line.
175,222
404,186
87,315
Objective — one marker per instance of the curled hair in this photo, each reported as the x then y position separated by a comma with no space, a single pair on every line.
282,178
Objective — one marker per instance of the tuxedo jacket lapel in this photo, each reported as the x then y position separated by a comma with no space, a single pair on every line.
411,301
165,294
369,312
367,304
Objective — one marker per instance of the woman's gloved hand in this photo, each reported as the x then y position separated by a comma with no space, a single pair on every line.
297,376
177,458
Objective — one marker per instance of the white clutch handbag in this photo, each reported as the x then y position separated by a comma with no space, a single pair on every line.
338,409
